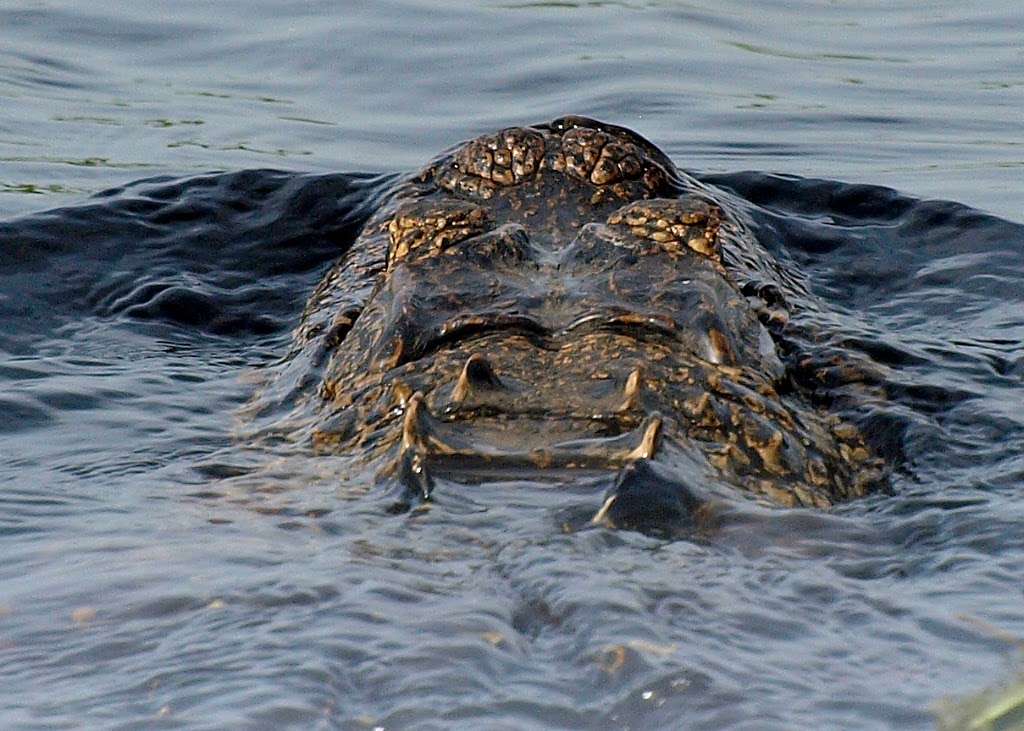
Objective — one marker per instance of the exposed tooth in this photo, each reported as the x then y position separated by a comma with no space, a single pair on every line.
632,391
601,516
649,441
411,438
418,433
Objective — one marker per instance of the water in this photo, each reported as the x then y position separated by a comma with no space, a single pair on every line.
159,573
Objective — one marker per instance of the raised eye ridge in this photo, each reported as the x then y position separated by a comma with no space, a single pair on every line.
675,225
419,229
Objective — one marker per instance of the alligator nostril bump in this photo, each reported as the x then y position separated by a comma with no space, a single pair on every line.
477,373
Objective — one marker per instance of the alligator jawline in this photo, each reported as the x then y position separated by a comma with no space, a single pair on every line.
436,439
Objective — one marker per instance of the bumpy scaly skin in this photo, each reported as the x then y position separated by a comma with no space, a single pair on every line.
556,296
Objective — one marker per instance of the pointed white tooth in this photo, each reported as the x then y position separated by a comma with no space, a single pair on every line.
649,441
601,516
411,438
631,393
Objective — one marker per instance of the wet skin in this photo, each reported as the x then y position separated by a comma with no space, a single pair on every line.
556,297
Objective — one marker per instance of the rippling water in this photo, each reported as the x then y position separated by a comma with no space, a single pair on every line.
158,573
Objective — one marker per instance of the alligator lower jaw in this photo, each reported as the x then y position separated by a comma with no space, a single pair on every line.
641,497
430,444
455,441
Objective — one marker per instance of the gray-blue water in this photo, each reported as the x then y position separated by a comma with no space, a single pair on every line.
156,571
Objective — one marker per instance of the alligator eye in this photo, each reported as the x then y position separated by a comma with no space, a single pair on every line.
676,226
419,230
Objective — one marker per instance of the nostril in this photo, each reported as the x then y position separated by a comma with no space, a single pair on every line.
479,371
477,374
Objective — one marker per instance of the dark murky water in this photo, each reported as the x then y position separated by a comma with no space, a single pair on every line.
158,572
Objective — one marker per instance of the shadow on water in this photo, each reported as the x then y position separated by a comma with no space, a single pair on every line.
252,588
225,254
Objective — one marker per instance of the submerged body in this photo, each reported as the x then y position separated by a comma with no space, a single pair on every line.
557,297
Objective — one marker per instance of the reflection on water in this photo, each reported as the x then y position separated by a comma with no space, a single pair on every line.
919,96
995,709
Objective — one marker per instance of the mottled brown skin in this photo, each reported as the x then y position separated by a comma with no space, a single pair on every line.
556,297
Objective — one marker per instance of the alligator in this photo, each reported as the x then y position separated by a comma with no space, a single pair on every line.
561,297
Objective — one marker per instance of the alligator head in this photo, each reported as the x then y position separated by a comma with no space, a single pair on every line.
555,297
